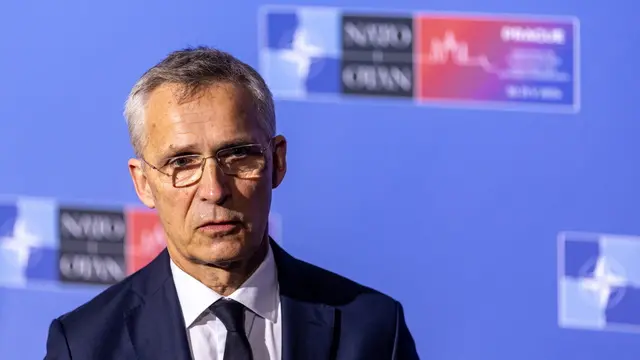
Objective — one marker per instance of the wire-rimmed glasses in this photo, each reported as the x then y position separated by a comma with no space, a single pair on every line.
242,161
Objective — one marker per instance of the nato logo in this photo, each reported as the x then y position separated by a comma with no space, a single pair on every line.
300,52
327,54
28,242
599,281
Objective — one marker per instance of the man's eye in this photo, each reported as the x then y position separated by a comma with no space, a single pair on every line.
238,152
183,162
242,152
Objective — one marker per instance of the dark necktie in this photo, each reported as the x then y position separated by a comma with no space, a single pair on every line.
231,313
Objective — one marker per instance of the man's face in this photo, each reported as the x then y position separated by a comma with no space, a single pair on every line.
221,217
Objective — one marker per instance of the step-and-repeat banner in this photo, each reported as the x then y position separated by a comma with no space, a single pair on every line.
478,161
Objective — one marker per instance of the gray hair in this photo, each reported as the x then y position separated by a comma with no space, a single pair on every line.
195,69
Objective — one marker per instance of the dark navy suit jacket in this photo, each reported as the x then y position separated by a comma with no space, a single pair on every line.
325,316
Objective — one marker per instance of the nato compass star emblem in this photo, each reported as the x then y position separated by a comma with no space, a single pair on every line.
599,281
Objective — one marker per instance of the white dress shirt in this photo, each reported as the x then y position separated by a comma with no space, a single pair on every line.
263,324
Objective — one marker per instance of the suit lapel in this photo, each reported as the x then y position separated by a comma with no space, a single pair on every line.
307,327
307,330
156,326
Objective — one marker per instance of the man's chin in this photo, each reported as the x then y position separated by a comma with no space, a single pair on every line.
223,250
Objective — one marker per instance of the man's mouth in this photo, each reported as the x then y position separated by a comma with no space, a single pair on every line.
224,226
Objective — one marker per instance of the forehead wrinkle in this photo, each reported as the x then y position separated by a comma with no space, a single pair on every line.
207,112
203,110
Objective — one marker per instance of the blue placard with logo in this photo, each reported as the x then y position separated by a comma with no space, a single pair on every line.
497,61
599,281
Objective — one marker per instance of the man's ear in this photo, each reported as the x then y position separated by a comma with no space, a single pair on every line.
279,160
141,183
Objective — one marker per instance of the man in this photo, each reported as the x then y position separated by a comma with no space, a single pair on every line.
202,124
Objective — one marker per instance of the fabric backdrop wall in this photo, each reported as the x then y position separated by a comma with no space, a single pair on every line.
477,160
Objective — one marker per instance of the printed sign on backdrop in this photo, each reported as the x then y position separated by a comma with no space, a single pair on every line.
465,60
501,60
28,242
599,281
379,64
92,246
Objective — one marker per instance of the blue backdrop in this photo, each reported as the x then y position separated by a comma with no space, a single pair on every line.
458,211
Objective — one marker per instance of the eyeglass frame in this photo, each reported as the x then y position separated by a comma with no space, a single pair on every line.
263,151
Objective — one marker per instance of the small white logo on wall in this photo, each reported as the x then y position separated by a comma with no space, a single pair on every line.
599,281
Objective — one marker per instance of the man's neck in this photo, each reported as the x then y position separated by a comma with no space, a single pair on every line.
222,280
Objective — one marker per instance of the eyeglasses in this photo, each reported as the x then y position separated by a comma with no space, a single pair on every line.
243,161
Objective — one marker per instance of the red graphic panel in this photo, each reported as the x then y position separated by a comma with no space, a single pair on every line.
145,238
495,60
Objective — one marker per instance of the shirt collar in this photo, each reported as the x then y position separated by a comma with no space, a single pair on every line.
259,293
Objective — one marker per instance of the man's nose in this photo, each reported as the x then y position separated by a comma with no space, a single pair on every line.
213,186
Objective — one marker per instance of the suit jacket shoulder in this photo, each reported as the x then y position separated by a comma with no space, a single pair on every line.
367,323
322,285
88,329
325,315
112,300
328,287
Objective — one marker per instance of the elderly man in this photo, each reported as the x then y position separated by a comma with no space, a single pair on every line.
202,124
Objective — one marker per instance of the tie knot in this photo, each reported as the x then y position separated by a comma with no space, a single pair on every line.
231,313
